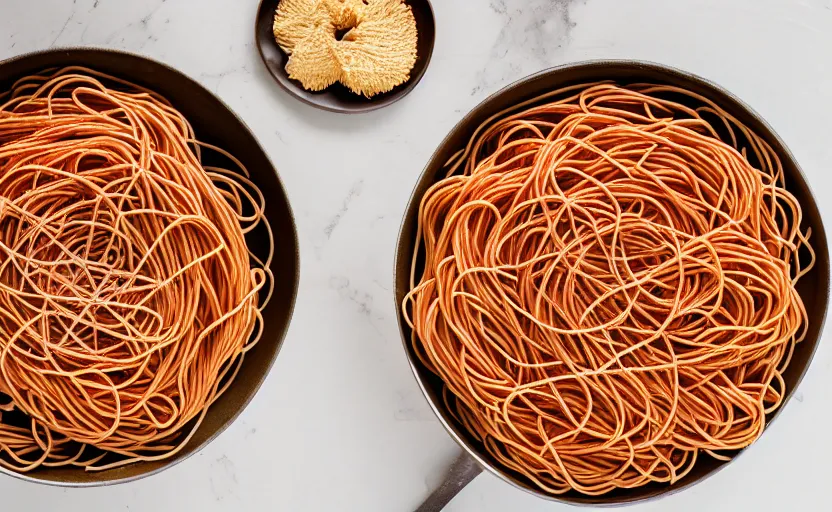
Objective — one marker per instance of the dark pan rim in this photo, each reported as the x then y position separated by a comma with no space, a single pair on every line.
394,96
464,123
31,477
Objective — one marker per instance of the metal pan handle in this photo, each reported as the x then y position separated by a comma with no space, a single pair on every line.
460,474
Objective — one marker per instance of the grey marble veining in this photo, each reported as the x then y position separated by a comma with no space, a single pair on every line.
533,36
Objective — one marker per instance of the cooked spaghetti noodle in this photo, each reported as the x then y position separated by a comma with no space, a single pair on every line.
128,294
606,285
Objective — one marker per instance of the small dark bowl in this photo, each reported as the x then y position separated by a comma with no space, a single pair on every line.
337,98
813,287
216,124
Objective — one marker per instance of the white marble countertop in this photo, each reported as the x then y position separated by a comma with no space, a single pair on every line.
340,423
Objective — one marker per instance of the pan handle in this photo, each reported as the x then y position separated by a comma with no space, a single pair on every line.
460,474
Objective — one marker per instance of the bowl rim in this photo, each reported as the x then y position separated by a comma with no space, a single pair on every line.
431,167
371,105
281,338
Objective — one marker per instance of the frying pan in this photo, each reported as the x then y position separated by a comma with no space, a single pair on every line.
813,288
216,124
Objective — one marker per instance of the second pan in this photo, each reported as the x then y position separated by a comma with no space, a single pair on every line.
813,287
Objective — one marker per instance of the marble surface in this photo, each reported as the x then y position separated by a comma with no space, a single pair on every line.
340,423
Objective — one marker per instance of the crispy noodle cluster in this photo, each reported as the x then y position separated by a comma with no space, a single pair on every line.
367,45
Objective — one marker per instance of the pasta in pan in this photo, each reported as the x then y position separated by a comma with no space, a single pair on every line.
128,293
605,283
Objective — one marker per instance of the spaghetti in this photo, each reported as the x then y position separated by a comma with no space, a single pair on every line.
605,283
128,294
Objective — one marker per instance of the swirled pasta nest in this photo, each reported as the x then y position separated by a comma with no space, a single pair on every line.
375,52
